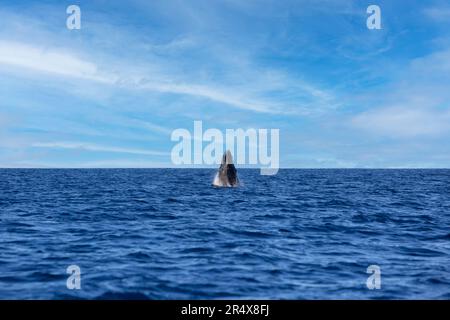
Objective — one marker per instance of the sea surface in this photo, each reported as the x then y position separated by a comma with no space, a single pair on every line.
169,234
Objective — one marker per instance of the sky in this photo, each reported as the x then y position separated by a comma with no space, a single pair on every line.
110,94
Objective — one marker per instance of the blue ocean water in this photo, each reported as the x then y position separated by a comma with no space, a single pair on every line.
168,234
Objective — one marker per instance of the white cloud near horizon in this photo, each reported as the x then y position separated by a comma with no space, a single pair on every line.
97,148
417,104
404,122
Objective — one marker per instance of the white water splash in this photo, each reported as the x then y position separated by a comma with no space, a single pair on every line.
216,181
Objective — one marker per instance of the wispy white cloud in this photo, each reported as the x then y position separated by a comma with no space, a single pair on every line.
416,104
149,126
242,84
97,148
219,95
109,163
48,60
438,13
61,63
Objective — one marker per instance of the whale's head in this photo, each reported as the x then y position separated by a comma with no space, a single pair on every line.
227,170
227,158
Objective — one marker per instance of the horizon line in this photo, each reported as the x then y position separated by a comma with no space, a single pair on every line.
242,168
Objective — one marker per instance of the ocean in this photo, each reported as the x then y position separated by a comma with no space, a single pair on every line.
169,234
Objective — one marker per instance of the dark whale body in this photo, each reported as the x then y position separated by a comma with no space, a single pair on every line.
227,175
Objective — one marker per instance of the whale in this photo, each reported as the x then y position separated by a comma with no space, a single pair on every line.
226,176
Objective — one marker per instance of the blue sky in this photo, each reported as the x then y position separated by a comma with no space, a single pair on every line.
110,94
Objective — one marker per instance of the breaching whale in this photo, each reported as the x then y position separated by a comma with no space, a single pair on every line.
227,174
